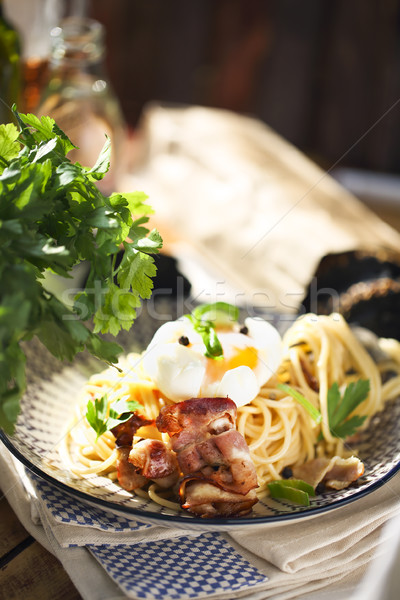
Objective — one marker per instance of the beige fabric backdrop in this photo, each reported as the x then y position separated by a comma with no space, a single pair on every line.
245,204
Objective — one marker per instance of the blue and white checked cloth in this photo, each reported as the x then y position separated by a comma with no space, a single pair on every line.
149,562
110,557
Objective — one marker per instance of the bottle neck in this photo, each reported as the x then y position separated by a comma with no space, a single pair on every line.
77,47
66,71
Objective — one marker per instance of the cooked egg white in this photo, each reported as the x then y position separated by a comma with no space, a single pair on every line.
183,371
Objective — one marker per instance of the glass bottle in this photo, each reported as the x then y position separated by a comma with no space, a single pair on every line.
78,95
33,19
10,63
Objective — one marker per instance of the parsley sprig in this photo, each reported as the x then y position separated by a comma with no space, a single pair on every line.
206,317
340,407
102,420
52,217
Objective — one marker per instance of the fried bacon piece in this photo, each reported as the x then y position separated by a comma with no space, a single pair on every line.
223,459
193,420
124,432
208,500
128,477
154,460
148,460
219,476
151,460
336,473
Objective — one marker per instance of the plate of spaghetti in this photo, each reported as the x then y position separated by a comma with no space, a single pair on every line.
215,421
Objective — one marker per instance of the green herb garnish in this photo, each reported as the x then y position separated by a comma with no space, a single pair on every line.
52,217
120,412
310,408
206,317
295,490
339,408
220,313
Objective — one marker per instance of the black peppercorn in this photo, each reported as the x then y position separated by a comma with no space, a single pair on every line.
244,330
183,340
287,472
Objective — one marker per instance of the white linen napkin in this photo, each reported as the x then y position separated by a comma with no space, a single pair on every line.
334,537
326,556
382,579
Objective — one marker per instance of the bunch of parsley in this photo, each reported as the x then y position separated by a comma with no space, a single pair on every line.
52,217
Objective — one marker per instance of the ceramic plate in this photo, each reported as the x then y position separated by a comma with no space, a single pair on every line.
48,405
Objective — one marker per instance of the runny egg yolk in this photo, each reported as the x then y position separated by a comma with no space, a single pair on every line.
233,357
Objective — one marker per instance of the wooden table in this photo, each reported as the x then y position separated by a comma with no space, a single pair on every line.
27,570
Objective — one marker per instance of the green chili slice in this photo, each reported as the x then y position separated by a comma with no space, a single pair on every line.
312,411
295,490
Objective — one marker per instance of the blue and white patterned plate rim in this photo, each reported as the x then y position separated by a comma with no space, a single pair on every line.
189,521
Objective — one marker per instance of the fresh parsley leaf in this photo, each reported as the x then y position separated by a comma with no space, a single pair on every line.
348,427
333,401
310,408
96,415
119,310
206,317
136,271
119,412
103,349
150,244
35,130
9,147
103,162
52,217
137,203
339,408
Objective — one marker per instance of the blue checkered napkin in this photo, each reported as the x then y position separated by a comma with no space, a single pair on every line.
146,561
65,509
179,569
74,523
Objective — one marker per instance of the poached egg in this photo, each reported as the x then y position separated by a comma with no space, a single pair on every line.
175,360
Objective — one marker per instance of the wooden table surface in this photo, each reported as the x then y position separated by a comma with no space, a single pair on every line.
27,570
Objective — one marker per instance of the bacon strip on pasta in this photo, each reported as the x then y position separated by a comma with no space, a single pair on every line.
219,476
